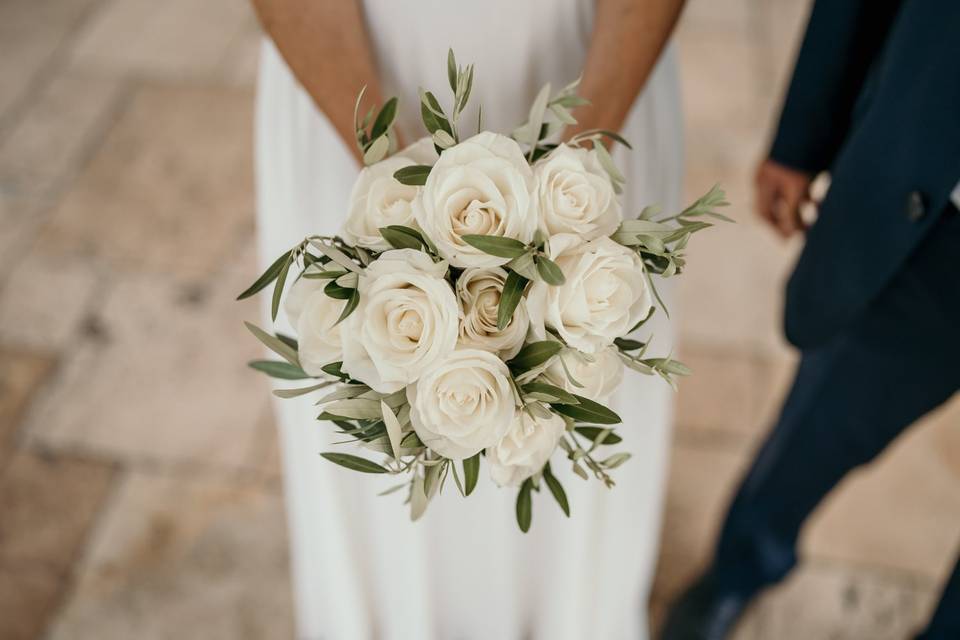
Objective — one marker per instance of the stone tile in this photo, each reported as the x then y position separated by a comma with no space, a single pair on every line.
701,484
28,596
44,300
774,377
170,188
732,392
730,296
19,220
265,457
720,395
161,378
31,33
901,512
720,78
48,504
746,629
21,374
176,38
718,15
205,554
242,60
727,156
841,603
780,26
49,141
947,435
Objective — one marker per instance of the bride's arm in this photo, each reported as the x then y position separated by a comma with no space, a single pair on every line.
628,37
326,45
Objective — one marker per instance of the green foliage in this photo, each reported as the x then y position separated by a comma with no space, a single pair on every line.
414,175
587,411
556,489
525,505
280,370
534,354
354,463
512,293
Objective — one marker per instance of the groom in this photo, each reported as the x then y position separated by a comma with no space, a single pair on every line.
874,301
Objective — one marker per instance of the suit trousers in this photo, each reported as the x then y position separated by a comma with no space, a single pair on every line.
850,398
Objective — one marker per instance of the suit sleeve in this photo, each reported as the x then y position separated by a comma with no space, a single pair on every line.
842,40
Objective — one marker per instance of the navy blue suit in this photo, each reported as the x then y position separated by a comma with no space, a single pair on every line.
874,301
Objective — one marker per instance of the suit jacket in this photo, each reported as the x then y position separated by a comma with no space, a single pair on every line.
875,100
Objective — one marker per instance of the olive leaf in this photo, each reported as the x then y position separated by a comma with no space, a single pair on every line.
418,498
278,287
587,411
293,393
413,175
668,365
525,505
550,271
336,255
384,119
277,369
496,245
615,460
275,344
593,433
267,277
350,307
471,471
337,292
377,150
355,463
452,69
400,239
393,428
548,393
443,139
533,354
334,369
431,478
512,293
524,265
556,489
356,409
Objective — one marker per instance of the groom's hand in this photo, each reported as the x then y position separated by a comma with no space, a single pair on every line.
781,192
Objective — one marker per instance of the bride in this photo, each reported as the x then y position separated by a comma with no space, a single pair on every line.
464,571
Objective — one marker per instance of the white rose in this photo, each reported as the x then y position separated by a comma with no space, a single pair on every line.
478,291
599,378
313,314
379,200
575,194
604,296
482,186
406,321
463,404
525,449
421,152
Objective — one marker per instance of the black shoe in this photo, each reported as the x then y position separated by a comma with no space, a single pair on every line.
703,612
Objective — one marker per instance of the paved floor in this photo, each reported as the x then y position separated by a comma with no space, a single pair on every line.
138,470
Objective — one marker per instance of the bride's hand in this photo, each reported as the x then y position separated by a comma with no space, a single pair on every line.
327,47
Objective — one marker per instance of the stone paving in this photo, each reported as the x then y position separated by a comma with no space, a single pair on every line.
139,476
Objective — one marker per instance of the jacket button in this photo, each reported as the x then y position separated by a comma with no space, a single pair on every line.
915,207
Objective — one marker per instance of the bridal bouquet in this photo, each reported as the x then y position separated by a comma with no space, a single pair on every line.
476,307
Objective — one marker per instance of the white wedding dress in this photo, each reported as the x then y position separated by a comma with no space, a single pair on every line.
361,568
